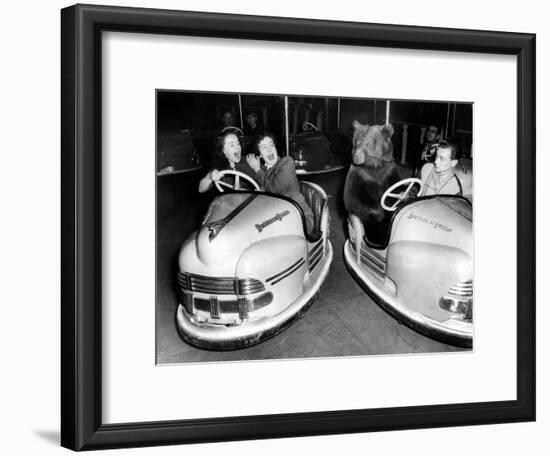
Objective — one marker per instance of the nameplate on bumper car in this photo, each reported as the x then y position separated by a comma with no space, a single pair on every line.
277,217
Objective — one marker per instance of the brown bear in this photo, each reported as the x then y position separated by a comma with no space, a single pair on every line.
372,172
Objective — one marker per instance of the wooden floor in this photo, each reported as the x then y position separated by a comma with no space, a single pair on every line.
343,321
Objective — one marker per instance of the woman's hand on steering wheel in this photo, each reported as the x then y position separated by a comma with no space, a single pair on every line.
215,175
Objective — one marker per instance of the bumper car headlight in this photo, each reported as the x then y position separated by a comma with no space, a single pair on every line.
459,300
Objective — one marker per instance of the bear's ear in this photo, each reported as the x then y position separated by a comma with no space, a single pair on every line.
387,130
356,125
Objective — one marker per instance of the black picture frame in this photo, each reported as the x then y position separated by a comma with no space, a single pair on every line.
81,221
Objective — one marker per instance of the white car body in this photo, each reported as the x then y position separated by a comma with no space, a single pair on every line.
423,275
251,270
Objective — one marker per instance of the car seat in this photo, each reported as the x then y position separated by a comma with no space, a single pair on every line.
317,201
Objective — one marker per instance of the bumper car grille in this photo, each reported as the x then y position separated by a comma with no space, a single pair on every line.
315,255
370,258
219,285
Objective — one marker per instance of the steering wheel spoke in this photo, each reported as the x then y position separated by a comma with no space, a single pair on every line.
395,195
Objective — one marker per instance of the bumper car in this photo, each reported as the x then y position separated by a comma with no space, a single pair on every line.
176,151
251,269
315,151
422,273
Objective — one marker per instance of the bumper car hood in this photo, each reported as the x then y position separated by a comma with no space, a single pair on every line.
232,224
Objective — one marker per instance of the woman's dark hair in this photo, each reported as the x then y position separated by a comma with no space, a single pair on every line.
219,160
261,137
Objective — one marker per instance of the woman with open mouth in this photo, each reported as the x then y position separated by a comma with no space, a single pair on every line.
278,175
228,156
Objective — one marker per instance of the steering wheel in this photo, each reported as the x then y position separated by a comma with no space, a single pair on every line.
238,175
235,129
410,182
308,126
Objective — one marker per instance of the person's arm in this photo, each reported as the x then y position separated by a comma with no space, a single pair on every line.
260,178
254,163
425,172
206,182
425,176
284,181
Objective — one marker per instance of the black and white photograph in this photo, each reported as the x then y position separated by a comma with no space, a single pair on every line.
293,226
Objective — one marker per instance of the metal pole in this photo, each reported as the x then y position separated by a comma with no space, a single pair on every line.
241,111
454,120
338,121
447,121
388,111
286,124
326,119
404,140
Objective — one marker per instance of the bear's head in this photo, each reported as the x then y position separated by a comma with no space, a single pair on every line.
372,146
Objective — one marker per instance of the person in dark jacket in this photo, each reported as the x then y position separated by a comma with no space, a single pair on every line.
252,126
278,175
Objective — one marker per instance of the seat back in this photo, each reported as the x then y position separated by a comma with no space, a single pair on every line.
464,172
311,147
317,200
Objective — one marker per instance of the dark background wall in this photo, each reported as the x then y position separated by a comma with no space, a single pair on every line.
188,122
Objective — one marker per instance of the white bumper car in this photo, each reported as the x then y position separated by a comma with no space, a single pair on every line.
251,269
423,273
